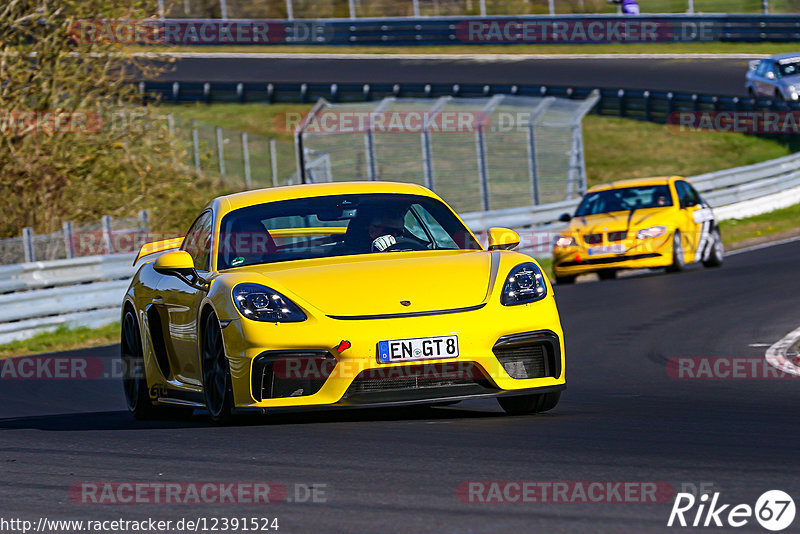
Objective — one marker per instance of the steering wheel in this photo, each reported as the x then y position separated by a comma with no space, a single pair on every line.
404,243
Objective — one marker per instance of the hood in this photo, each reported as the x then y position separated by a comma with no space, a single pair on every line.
616,221
375,284
790,80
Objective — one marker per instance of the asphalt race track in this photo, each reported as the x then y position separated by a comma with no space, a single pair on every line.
622,418
712,76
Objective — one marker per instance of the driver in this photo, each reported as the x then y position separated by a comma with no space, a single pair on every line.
384,229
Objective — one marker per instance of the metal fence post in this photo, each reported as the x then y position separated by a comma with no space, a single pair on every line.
425,138
480,146
483,8
273,160
765,6
351,4
223,8
533,166
196,147
69,243
108,243
415,5
369,139
289,10
144,220
690,7
551,7
220,151
27,245
246,161
299,148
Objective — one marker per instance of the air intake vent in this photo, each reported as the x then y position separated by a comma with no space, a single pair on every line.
529,355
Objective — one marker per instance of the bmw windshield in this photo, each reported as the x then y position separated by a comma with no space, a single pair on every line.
624,199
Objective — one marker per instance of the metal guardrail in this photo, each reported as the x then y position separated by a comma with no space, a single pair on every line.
88,291
454,30
651,106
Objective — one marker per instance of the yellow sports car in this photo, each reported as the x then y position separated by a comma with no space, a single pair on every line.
337,295
634,224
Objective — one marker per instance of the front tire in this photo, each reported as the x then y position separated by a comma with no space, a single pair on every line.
134,378
217,388
678,257
717,254
527,404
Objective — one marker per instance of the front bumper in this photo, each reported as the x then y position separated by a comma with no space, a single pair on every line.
348,380
639,254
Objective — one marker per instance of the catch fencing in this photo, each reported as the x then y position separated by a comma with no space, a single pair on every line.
479,153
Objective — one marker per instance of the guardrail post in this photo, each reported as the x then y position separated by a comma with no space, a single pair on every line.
483,7
765,6
220,151
196,147
108,243
289,10
223,8
415,5
69,243
246,160
352,7
273,160
27,245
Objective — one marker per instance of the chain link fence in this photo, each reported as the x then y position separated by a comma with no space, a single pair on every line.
313,9
478,153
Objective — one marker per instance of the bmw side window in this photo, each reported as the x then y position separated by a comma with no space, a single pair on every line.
198,242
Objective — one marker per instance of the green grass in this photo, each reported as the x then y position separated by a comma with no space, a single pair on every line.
62,339
760,227
544,48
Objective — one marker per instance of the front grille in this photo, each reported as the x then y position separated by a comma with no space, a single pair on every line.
617,236
282,374
529,355
593,239
416,377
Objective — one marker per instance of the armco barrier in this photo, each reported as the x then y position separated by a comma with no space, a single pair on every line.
88,291
504,29
652,106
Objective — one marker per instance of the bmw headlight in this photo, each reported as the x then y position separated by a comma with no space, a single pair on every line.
565,241
525,283
260,303
653,231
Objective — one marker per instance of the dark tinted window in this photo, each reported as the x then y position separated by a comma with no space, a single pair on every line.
687,196
338,225
198,242
624,199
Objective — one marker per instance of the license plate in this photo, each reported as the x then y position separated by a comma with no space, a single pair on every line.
610,249
420,348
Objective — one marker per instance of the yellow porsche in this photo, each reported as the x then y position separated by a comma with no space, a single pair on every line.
337,295
635,224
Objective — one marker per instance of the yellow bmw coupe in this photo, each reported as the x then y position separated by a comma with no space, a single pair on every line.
635,224
337,295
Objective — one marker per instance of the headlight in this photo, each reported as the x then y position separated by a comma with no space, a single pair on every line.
261,303
524,284
564,242
653,231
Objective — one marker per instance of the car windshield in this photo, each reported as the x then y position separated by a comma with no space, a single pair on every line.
789,67
341,225
624,199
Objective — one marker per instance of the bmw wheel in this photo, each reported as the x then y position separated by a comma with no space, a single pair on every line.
217,387
717,251
678,259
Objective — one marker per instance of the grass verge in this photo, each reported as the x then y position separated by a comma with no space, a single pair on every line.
739,233
62,339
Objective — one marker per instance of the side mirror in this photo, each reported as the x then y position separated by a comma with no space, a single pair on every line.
502,239
174,262
565,217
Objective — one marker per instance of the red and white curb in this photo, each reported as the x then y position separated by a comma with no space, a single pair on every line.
776,354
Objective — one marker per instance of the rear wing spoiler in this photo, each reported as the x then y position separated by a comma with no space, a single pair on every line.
158,246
